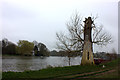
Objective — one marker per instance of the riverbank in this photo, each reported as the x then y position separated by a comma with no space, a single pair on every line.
68,72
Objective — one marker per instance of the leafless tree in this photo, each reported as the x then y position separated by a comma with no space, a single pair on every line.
74,40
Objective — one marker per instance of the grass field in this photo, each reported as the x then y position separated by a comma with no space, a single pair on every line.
68,72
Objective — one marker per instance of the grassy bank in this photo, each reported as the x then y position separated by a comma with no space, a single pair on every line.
59,72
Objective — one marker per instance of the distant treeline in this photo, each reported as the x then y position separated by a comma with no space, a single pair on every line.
26,48
23,47
64,53
107,56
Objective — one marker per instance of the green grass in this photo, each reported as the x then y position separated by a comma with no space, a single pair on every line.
50,72
59,71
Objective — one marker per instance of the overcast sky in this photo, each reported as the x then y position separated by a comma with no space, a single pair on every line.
40,19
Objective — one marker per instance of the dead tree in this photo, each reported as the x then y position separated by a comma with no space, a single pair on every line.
74,40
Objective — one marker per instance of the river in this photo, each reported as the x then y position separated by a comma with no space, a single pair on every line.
26,63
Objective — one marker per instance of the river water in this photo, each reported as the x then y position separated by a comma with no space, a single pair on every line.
25,63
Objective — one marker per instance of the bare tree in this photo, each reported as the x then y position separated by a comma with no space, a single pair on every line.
74,40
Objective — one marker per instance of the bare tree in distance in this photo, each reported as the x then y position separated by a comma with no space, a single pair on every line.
74,40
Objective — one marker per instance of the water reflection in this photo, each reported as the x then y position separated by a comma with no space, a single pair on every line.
23,63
